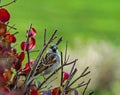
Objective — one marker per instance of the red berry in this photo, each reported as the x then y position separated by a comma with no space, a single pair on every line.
4,15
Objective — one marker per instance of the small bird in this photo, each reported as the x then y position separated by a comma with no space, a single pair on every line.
50,62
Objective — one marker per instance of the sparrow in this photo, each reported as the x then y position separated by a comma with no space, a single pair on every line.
50,62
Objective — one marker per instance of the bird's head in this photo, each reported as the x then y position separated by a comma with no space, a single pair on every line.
53,48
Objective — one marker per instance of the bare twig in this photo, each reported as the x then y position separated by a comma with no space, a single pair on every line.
44,48
81,85
65,57
50,87
8,3
34,51
35,65
44,37
28,52
49,83
61,83
15,33
65,62
72,73
52,80
78,86
54,38
71,62
55,72
58,42
68,80
82,75
86,87
11,27
72,68
67,86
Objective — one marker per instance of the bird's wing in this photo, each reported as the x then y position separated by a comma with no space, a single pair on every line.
46,62
50,59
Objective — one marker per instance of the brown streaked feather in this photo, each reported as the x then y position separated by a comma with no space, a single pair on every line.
46,62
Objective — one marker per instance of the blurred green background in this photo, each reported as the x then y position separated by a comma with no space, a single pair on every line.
78,21
86,19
